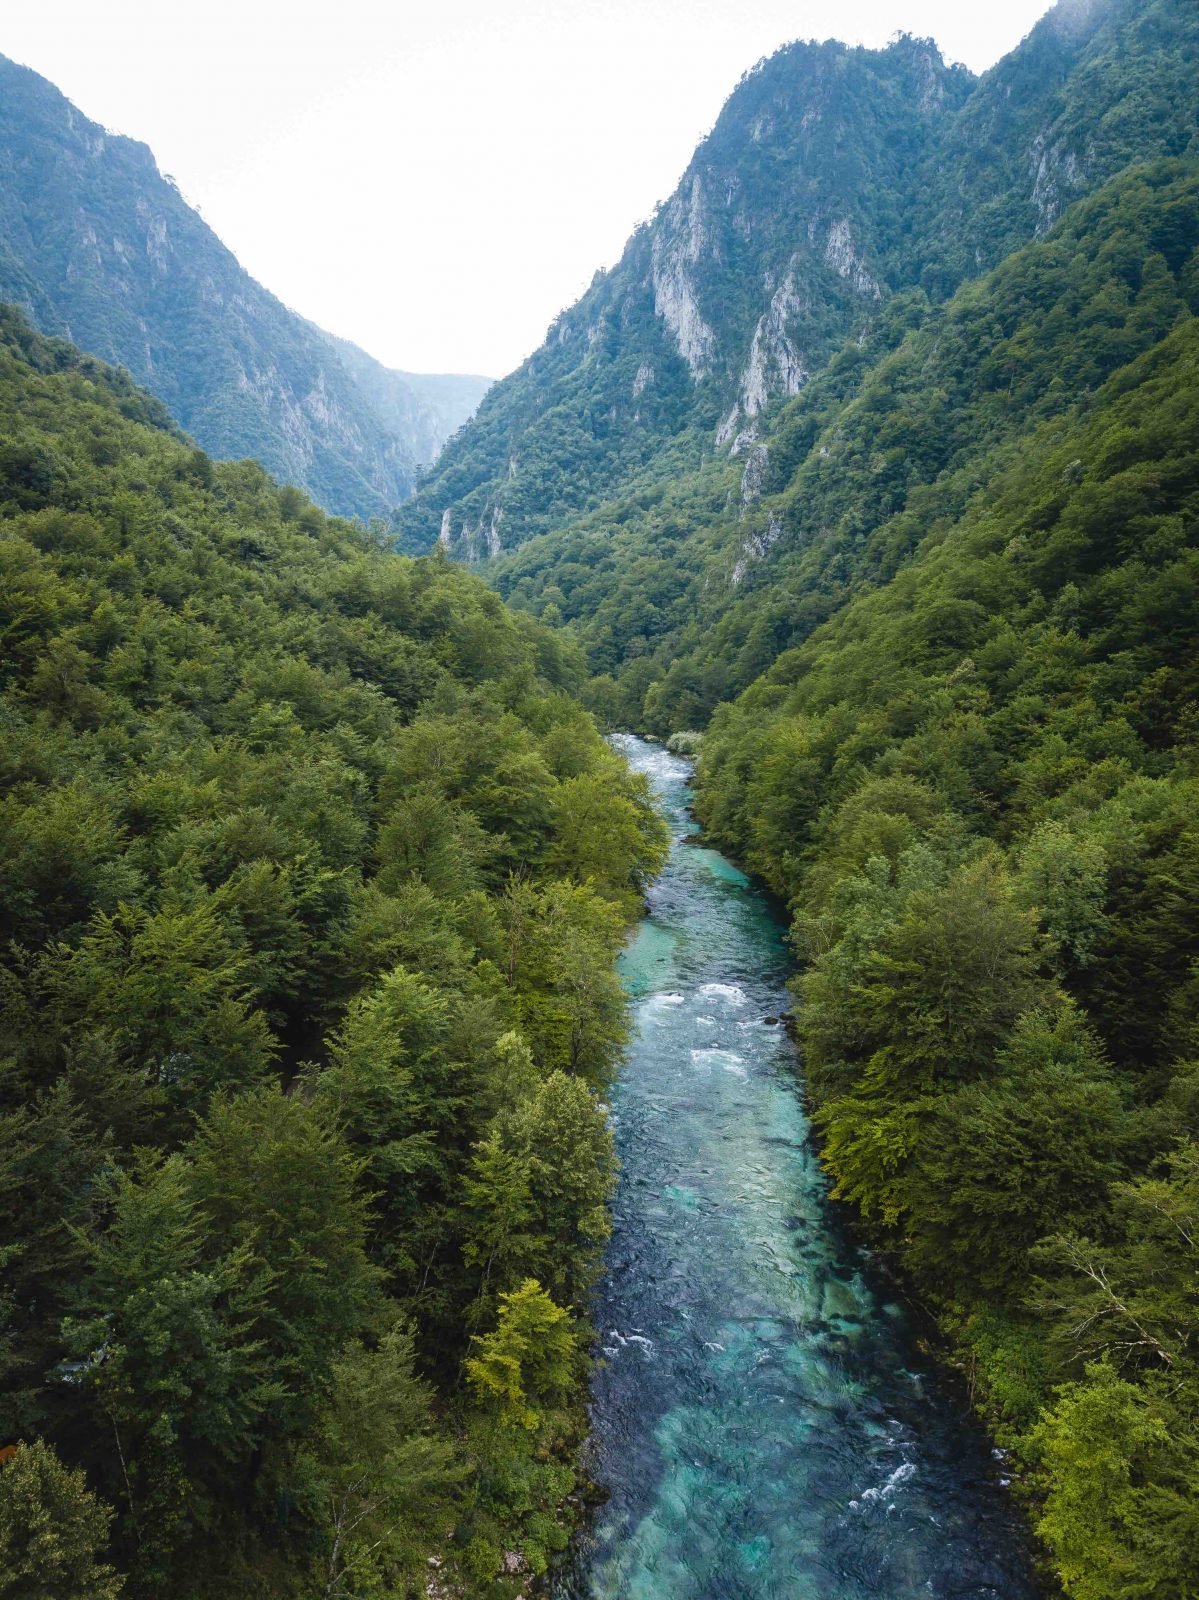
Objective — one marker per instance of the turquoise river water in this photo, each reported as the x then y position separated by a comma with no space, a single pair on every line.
762,1420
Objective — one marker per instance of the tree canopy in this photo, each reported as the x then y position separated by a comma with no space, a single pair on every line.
313,874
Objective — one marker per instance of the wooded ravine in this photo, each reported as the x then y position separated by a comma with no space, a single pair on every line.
869,479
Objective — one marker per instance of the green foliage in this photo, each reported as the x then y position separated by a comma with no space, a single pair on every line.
376,1477
163,1355
1039,1138
935,613
53,1531
684,588
569,1000
651,476
544,1173
974,781
1120,1514
529,1356
313,878
312,872
925,981
521,1374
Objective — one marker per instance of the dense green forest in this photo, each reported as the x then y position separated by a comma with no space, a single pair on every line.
312,872
976,786
871,470
681,603
937,614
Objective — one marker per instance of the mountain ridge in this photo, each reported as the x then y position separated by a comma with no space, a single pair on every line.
637,359
779,243
98,246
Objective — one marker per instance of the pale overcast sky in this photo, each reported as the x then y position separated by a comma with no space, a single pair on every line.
437,180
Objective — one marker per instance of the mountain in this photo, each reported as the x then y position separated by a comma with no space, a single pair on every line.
873,465
424,409
766,257
1097,85
98,246
833,179
974,783
686,587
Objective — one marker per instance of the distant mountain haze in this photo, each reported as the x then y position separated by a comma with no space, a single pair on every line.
98,246
424,408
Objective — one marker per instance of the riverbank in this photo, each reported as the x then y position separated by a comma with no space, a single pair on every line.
763,1416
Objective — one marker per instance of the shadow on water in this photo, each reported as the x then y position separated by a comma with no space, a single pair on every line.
762,1419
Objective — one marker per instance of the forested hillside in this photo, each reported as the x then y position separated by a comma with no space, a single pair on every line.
682,600
929,583
834,179
775,246
96,245
311,877
977,787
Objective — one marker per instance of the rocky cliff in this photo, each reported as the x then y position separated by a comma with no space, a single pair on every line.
833,179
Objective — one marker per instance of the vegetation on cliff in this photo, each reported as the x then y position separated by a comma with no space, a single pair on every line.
98,246
836,182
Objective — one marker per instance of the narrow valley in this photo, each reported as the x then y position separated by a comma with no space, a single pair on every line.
762,1418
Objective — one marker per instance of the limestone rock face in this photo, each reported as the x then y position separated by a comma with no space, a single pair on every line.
678,247
764,259
833,180
842,256
755,546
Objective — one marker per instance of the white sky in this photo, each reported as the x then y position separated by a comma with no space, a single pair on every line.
437,180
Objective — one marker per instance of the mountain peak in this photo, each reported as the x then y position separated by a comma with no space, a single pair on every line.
834,176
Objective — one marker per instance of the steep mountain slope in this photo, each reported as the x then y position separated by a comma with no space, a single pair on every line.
422,408
684,590
976,786
774,248
96,245
312,876
833,179
1098,84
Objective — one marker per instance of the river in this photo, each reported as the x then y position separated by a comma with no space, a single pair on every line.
762,1419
